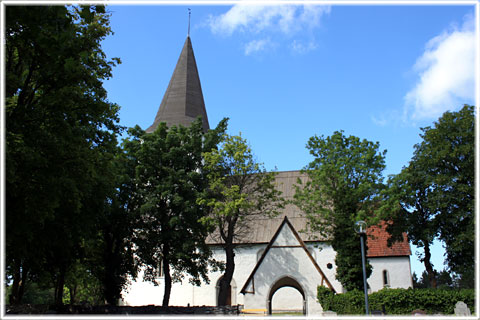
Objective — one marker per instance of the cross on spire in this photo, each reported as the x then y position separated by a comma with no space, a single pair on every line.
189,13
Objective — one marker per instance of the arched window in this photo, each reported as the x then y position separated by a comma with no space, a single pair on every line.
386,282
231,295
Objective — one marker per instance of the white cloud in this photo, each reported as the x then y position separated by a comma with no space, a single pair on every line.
256,45
272,19
301,47
379,121
446,74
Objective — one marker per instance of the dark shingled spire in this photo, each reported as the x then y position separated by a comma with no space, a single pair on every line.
183,100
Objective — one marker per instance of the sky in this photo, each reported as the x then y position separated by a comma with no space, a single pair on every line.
283,73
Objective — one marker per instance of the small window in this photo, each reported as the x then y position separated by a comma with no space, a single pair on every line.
386,283
329,266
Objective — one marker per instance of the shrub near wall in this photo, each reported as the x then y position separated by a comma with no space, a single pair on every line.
397,301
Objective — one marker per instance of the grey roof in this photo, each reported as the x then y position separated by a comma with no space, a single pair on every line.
261,229
183,99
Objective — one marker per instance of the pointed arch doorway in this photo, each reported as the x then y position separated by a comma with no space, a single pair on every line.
283,282
286,262
232,293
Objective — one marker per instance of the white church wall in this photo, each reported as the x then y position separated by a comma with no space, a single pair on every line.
183,293
325,257
246,257
399,274
245,261
279,263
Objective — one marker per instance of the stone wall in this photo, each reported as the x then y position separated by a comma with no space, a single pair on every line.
86,309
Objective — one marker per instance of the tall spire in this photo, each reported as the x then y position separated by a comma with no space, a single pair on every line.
183,100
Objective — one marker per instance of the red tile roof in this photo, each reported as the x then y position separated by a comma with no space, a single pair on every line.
377,243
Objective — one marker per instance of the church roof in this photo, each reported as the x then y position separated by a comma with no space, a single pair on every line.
183,100
261,229
377,243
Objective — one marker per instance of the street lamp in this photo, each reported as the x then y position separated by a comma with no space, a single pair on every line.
361,229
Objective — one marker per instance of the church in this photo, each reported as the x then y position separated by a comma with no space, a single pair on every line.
278,266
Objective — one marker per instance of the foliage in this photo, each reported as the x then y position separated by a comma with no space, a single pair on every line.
344,182
81,286
448,151
169,179
397,301
443,279
34,294
409,208
351,302
60,129
110,256
239,189
434,195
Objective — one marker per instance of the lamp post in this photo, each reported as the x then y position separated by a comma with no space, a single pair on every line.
361,229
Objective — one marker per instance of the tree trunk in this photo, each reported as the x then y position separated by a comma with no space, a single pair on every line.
73,294
18,286
224,290
168,282
14,298
109,283
428,266
59,287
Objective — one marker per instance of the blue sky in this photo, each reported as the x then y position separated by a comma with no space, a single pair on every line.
283,73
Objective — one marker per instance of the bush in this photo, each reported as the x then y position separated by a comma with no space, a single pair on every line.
397,301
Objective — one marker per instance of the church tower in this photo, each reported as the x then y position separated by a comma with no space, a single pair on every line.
183,100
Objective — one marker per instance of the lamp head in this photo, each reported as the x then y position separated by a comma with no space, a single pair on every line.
361,227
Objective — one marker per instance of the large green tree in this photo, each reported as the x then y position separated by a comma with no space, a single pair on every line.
239,189
170,176
408,207
433,197
110,252
448,151
345,179
60,130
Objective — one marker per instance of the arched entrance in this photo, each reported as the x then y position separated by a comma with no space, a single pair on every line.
232,293
286,282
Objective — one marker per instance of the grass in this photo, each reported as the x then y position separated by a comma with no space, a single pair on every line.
287,313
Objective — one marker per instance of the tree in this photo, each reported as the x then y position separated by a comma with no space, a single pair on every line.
81,285
169,179
415,281
345,179
433,197
240,189
60,129
443,280
408,207
448,153
110,257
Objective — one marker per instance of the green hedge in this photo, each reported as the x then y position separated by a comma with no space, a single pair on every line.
397,301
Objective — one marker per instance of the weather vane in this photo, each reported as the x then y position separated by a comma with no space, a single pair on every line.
189,13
